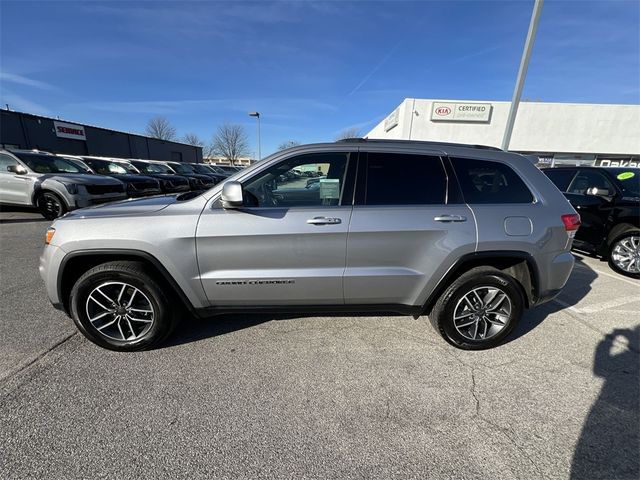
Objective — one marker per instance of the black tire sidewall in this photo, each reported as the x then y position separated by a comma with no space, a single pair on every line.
162,313
453,295
41,207
612,265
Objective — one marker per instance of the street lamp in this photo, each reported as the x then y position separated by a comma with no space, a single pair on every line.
257,115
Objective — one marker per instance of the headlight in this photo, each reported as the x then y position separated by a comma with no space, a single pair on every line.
72,188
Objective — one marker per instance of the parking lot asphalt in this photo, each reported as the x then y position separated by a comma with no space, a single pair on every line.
323,397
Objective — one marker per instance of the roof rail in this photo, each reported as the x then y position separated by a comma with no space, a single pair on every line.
420,142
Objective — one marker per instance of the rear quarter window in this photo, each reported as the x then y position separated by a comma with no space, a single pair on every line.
484,181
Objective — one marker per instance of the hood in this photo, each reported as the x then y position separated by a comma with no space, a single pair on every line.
141,206
80,179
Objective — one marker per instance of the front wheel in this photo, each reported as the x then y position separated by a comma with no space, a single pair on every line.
624,254
119,306
50,205
479,309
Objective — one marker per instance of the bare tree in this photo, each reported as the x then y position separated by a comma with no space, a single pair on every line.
230,142
160,127
352,132
288,144
193,139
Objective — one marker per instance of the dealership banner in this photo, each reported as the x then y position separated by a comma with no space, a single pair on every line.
69,130
460,112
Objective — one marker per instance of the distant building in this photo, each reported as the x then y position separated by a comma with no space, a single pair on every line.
240,162
24,130
558,133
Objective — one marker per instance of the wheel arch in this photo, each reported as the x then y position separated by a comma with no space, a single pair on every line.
520,265
38,191
75,264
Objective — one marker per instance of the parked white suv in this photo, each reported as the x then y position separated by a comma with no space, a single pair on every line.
52,183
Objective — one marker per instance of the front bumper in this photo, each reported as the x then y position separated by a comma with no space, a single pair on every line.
90,200
50,261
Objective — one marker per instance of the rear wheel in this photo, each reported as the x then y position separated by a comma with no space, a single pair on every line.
624,254
479,309
51,206
118,306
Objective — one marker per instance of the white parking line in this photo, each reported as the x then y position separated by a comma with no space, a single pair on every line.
612,275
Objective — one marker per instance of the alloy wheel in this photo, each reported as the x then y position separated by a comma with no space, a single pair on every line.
482,313
119,311
625,254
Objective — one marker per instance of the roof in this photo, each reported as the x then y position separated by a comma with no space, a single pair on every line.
417,142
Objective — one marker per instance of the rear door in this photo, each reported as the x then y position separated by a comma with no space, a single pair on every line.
406,229
281,248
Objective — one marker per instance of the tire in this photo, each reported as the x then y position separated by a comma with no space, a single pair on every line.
50,205
624,253
140,311
503,309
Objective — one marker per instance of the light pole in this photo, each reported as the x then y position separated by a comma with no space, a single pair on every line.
522,73
257,115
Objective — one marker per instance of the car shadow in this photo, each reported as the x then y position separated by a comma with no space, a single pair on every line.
20,219
578,286
610,439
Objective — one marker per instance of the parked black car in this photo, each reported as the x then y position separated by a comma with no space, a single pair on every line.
136,185
608,201
169,181
203,169
197,181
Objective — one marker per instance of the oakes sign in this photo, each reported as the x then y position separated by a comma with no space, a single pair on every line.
460,112
69,130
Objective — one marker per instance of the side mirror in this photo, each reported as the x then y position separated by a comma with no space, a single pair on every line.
17,169
232,195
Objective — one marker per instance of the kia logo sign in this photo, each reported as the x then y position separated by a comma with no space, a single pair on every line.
443,111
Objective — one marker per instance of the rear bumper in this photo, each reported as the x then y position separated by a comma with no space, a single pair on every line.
554,275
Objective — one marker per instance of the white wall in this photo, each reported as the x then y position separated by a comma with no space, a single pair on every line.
539,127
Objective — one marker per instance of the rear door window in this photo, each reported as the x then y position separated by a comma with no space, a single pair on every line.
404,179
561,178
484,181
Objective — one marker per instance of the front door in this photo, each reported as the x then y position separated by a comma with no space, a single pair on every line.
287,245
14,188
594,207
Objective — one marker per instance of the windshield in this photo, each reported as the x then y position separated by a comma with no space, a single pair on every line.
84,168
47,163
628,180
152,167
182,168
105,167
201,168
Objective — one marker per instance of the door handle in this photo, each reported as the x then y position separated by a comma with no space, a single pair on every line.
324,221
450,218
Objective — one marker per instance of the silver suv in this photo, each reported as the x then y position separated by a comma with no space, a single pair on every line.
470,236
52,183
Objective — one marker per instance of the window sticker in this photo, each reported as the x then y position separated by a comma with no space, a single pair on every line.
625,175
329,188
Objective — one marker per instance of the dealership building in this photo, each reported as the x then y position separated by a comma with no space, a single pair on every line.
27,131
558,133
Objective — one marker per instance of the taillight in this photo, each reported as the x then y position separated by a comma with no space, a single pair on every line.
571,222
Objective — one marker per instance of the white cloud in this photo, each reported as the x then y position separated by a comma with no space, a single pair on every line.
28,82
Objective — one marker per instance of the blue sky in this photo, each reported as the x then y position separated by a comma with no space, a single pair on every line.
311,68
